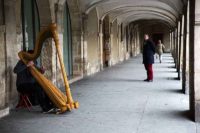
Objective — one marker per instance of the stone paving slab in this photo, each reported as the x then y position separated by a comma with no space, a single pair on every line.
116,100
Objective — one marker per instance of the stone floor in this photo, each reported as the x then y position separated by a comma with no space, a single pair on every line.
116,100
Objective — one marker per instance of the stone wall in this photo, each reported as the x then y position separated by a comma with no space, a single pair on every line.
2,60
2,69
12,47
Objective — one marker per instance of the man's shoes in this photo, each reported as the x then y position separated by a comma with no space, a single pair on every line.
147,80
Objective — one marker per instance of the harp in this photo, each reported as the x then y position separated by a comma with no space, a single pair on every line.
60,100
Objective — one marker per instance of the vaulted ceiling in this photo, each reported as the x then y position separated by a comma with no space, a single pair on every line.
126,11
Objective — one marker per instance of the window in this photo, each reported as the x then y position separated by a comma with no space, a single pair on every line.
30,23
67,42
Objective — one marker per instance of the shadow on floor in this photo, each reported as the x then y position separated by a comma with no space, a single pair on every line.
167,71
128,80
171,67
35,112
173,78
121,80
175,91
184,114
169,62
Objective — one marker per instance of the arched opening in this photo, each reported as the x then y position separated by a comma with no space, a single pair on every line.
67,41
106,42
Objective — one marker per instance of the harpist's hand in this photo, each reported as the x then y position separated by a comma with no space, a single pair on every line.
30,63
42,69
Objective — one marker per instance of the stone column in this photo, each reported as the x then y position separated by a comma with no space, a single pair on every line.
175,38
11,50
185,73
84,44
181,45
187,51
111,44
194,55
3,105
179,48
170,34
135,42
173,44
100,35
118,42
176,44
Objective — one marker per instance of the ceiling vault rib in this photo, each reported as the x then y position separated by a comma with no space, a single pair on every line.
115,9
124,11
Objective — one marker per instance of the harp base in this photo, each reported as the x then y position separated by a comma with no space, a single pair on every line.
68,107
72,105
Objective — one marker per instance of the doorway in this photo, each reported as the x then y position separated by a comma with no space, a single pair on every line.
156,37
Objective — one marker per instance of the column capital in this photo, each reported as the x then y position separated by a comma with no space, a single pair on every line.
100,21
84,16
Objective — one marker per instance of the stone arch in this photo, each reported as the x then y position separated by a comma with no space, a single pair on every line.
44,10
46,15
77,35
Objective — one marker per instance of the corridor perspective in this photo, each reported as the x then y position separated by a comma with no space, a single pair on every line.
116,101
84,61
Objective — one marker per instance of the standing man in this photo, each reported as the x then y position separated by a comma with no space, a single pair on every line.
160,48
148,57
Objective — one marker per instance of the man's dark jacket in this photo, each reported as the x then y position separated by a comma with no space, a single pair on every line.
148,52
23,74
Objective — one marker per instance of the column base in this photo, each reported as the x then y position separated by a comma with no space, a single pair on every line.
4,112
196,114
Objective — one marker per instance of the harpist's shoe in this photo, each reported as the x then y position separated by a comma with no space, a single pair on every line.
49,111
